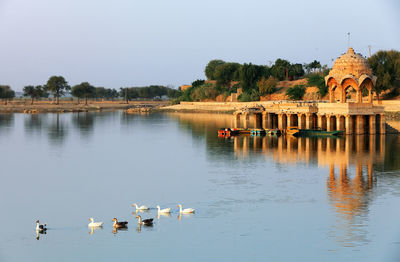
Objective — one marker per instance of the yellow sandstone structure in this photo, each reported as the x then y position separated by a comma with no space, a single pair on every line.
350,74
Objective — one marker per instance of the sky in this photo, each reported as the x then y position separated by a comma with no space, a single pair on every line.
122,43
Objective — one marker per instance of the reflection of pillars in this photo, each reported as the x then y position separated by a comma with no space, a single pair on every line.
307,149
382,142
246,120
370,175
360,143
343,172
359,125
309,121
382,124
329,123
246,145
348,148
236,145
319,121
236,120
372,145
372,125
349,125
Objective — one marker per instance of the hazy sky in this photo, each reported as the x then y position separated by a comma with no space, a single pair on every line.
118,43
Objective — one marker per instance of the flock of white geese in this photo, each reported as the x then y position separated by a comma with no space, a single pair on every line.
124,224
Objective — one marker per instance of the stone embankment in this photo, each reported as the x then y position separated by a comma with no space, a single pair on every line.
64,107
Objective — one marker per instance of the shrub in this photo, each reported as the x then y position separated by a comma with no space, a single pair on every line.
318,81
267,86
296,93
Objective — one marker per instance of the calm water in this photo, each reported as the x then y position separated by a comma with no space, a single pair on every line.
256,199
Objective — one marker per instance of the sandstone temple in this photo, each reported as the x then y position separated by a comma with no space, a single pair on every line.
350,107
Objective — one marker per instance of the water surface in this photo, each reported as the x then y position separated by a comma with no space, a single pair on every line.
256,199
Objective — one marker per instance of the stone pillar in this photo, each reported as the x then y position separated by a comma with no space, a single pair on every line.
236,120
269,120
370,93
246,120
359,97
257,120
372,124
300,121
289,120
359,125
349,125
382,124
319,121
280,121
339,123
331,95
343,96
309,121
328,123
264,120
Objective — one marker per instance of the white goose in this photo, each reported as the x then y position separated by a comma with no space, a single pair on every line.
165,210
186,210
94,224
141,207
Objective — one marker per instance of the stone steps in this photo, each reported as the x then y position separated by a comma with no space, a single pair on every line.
391,130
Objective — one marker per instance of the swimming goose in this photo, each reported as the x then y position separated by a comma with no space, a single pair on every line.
165,210
117,224
40,228
146,222
141,207
186,210
94,224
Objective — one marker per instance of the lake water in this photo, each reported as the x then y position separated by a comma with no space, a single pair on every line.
256,199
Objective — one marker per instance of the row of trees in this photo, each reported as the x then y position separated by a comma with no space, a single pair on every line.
147,92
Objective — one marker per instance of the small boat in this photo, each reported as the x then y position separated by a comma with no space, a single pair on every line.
319,132
227,132
292,130
273,132
257,132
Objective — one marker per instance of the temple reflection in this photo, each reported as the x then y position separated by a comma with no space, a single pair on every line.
350,159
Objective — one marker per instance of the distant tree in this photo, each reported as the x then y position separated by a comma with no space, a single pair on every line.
386,67
296,93
6,93
280,69
311,67
211,68
83,90
111,94
173,93
35,92
225,73
267,86
58,86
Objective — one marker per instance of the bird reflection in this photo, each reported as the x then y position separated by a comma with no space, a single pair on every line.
92,229
38,233
139,211
179,217
115,230
163,215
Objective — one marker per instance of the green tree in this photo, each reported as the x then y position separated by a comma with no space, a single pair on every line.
83,90
58,86
35,92
211,68
296,93
296,71
197,83
249,74
226,73
267,86
386,67
313,66
280,69
318,80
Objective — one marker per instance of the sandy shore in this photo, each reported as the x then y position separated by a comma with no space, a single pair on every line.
73,106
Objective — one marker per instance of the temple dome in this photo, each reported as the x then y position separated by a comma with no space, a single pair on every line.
350,63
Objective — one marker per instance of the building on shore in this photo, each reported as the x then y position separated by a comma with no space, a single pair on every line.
350,77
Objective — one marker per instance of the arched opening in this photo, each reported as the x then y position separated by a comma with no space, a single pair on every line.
340,123
323,123
350,89
302,121
332,123
366,89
